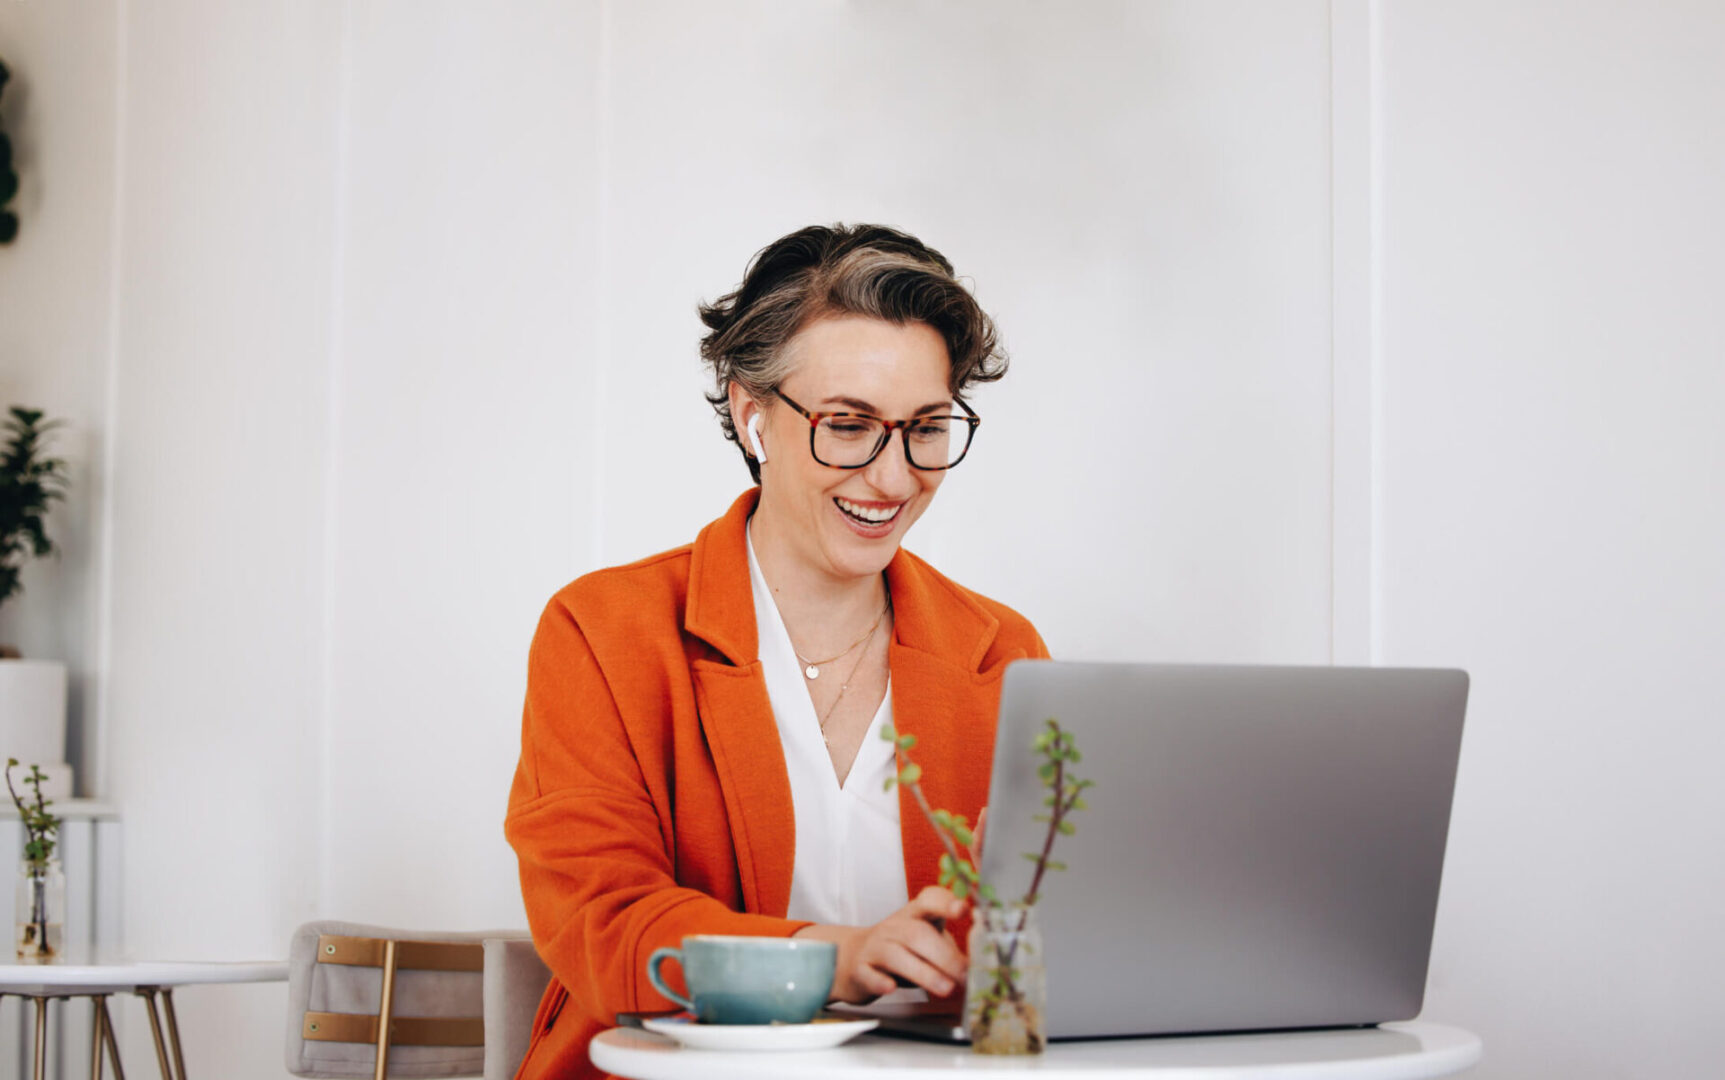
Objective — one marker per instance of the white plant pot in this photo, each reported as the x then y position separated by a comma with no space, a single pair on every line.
33,721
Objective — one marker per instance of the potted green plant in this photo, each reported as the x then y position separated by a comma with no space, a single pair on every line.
32,692
1006,992
40,906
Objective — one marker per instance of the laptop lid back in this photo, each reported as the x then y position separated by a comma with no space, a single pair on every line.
1262,849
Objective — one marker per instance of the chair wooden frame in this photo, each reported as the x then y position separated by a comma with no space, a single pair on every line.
385,1029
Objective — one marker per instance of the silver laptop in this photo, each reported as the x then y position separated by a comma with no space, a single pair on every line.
1262,850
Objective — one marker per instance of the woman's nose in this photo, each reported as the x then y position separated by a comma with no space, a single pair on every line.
890,472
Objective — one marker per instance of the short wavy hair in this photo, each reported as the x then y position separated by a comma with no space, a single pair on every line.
832,270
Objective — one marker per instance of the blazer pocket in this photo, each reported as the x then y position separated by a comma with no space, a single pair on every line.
550,1008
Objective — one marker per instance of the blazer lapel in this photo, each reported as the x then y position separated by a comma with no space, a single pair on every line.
737,715
951,712
938,694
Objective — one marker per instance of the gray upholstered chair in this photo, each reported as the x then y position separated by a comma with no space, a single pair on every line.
515,980
370,1001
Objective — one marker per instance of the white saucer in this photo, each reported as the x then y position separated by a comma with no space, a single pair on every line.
816,1035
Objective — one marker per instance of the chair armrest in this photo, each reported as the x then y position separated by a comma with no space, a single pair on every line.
515,980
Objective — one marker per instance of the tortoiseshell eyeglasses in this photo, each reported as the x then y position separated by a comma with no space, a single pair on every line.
850,440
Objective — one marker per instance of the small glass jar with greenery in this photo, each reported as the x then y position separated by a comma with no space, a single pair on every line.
1006,992
40,904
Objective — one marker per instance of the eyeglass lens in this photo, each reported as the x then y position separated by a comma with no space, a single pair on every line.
933,442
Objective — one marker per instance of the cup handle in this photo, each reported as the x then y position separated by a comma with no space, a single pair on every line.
659,957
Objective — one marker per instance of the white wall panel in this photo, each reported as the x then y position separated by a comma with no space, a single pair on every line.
719,138
1553,258
220,421
462,457
1141,196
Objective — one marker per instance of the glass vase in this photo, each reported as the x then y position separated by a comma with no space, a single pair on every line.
1006,995
39,908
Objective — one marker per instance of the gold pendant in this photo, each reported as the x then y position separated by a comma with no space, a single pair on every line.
812,672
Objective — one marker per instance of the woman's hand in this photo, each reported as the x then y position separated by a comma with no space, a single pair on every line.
910,943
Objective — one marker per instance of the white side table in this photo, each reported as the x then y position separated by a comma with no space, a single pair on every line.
89,850
1410,1051
96,981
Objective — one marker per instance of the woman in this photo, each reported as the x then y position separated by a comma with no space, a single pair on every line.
700,748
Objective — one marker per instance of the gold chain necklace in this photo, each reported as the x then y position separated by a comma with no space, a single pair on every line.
812,668
846,685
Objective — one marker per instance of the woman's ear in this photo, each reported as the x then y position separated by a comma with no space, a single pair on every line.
746,416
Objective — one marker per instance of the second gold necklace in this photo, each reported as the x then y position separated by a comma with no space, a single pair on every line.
812,668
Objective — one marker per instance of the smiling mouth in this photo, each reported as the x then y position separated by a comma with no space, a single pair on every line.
873,516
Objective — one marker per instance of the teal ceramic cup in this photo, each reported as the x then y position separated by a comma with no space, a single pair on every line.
750,980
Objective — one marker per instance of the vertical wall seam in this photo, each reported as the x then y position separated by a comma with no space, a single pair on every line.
1352,263
99,716
332,430
1375,356
1335,315
602,319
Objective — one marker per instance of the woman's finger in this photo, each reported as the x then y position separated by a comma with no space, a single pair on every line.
934,902
872,981
935,947
895,958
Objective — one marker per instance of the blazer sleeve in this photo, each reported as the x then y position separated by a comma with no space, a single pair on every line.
596,870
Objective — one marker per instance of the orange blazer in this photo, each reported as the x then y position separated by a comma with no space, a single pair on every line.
652,801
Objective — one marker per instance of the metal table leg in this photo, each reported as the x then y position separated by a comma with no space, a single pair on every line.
40,1072
148,993
95,1037
173,1031
107,1025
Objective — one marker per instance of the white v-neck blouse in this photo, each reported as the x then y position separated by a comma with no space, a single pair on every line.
849,864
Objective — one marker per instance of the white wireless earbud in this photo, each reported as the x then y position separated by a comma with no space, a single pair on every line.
755,437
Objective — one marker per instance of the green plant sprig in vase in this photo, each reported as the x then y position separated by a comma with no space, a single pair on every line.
42,830
1004,999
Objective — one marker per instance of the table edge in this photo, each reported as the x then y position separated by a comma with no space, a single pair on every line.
1459,1049
42,978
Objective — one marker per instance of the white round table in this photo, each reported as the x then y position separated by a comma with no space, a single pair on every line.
97,980
1408,1051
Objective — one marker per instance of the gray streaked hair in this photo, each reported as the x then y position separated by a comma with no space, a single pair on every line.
823,271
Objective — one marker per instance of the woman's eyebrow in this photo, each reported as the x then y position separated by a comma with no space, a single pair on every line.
862,406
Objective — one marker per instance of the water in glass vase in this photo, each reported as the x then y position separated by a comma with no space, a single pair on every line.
1007,993
39,909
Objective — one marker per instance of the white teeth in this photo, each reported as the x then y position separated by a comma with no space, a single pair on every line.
870,514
